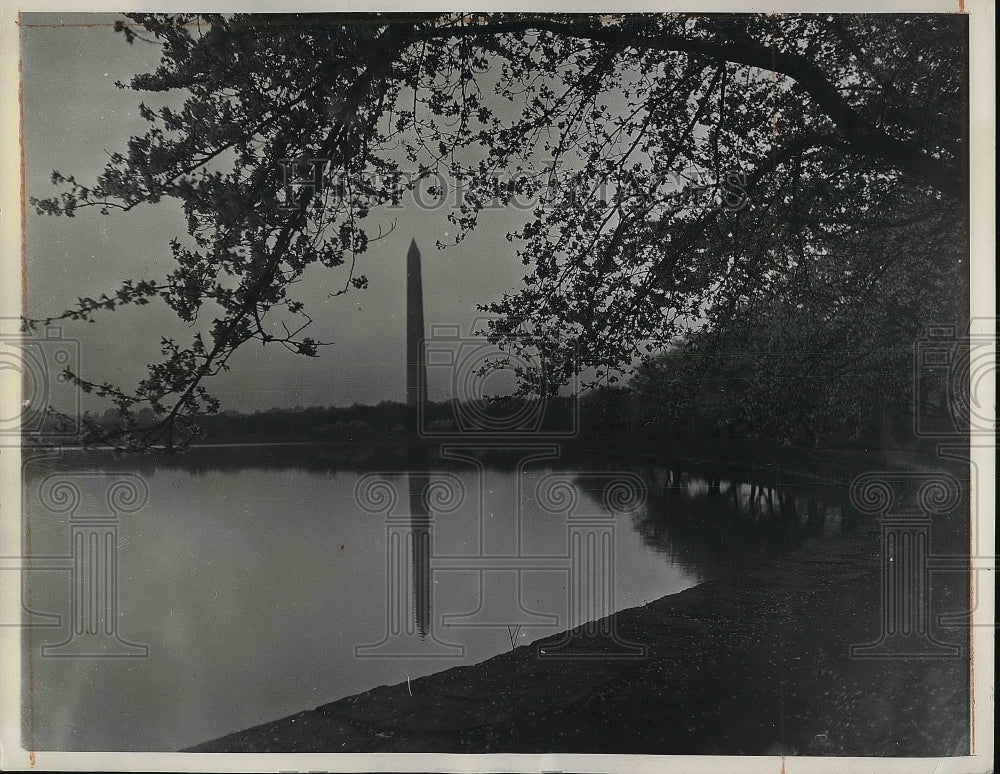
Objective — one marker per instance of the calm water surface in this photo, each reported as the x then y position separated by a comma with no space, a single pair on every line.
262,584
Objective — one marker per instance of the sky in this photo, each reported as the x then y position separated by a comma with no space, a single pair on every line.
74,116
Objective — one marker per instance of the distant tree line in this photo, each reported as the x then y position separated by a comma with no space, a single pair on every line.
680,396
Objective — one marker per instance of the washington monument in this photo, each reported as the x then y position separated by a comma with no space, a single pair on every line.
416,368
416,391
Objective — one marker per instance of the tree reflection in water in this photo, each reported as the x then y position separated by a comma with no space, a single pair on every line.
719,520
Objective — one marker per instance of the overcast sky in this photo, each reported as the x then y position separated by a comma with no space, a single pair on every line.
74,116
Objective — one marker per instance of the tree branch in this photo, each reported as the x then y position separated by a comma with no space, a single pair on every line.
861,135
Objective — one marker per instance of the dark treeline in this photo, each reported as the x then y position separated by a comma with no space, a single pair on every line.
608,415
770,386
620,416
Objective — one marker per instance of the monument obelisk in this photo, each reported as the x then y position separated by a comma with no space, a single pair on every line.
416,368
416,393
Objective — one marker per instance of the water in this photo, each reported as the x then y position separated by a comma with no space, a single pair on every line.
254,584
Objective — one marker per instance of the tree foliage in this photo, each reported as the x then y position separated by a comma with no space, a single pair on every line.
707,175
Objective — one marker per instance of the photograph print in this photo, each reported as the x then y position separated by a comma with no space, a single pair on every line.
497,383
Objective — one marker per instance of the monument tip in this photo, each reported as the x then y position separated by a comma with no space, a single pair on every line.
414,250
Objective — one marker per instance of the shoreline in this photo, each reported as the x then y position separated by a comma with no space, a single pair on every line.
753,664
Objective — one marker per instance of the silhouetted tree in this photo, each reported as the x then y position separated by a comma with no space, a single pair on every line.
690,171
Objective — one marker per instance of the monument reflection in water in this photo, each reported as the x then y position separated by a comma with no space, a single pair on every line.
420,547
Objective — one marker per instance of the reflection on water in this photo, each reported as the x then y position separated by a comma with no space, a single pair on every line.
420,526
262,584
713,522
